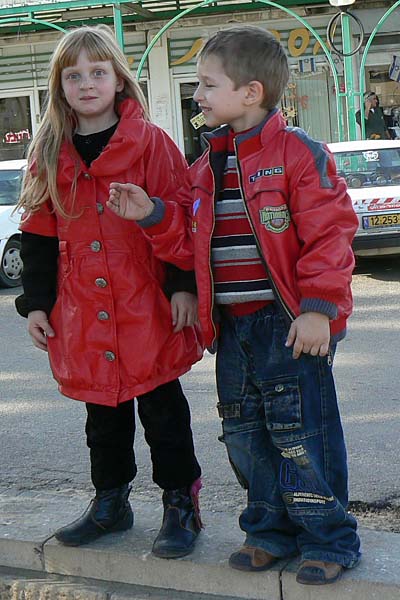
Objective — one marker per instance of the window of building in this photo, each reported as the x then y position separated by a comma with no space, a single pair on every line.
15,127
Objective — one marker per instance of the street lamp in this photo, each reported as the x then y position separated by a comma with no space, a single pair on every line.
339,3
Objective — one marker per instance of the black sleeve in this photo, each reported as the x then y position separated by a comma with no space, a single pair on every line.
39,255
179,281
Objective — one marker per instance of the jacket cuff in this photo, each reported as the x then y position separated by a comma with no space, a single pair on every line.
156,216
26,305
321,306
179,281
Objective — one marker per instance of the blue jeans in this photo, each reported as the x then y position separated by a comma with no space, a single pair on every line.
284,438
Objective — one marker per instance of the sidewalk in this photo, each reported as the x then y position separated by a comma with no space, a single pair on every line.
112,568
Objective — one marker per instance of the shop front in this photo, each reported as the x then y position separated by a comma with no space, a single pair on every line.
23,87
325,87
316,98
381,68
309,100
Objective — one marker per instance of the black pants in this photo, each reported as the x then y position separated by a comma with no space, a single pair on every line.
165,416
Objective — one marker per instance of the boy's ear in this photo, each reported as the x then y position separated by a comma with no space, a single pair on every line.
254,93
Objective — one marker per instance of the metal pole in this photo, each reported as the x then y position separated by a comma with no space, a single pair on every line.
275,5
348,77
364,60
119,31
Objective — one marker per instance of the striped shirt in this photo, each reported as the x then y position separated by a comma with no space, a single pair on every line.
239,274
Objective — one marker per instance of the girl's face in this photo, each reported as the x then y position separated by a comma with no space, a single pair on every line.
89,89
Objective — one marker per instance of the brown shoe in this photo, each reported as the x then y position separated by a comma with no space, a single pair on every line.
249,558
317,572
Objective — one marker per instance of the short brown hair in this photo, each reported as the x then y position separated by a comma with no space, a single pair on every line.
251,53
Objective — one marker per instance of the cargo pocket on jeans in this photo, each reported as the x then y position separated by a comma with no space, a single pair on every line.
282,405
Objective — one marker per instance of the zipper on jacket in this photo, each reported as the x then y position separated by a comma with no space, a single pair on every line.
209,247
284,306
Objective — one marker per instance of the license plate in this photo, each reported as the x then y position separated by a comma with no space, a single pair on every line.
372,221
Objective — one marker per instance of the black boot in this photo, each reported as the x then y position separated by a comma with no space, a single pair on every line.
109,511
181,524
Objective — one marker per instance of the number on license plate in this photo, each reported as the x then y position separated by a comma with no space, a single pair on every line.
372,221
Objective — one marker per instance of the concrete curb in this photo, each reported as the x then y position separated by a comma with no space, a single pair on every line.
18,584
27,520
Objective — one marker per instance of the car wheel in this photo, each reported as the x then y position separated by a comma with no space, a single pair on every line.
11,265
354,181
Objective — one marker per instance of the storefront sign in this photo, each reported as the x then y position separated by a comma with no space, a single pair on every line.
297,42
15,137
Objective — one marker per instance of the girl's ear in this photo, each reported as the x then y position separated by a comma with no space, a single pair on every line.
254,92
120,84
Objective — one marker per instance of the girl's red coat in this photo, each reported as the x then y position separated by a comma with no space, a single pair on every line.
112,321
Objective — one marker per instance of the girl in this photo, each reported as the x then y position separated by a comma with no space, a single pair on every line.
94,285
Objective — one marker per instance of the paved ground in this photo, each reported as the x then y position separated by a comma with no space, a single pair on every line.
45,472
27,520
41,433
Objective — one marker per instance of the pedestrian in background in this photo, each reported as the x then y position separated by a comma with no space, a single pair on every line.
94,285
374,119
272,228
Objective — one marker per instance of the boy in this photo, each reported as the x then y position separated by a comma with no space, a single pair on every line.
272,229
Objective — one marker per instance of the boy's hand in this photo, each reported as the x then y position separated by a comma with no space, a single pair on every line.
183,310
129,201
39,328
309,333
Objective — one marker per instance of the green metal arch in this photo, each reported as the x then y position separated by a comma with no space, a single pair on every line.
32,20
269,3
117,23
364,60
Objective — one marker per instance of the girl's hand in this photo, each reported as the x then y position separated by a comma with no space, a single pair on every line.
129,201
183,310
309,333
39,329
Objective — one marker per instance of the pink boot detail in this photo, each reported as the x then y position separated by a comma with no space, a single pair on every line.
194,494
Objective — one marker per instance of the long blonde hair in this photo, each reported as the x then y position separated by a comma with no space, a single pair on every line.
58,122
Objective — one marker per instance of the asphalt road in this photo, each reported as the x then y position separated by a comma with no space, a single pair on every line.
42,443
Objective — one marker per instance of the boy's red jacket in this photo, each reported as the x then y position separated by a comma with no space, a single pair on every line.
300,213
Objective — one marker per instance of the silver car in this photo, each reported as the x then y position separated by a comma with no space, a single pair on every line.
11,173
372,171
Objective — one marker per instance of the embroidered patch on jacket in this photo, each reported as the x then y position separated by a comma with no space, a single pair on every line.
266,173
275,218
196,205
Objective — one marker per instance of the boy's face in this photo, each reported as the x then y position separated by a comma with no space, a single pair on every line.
217,97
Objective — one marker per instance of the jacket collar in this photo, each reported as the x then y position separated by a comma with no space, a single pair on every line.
251,141
125,147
